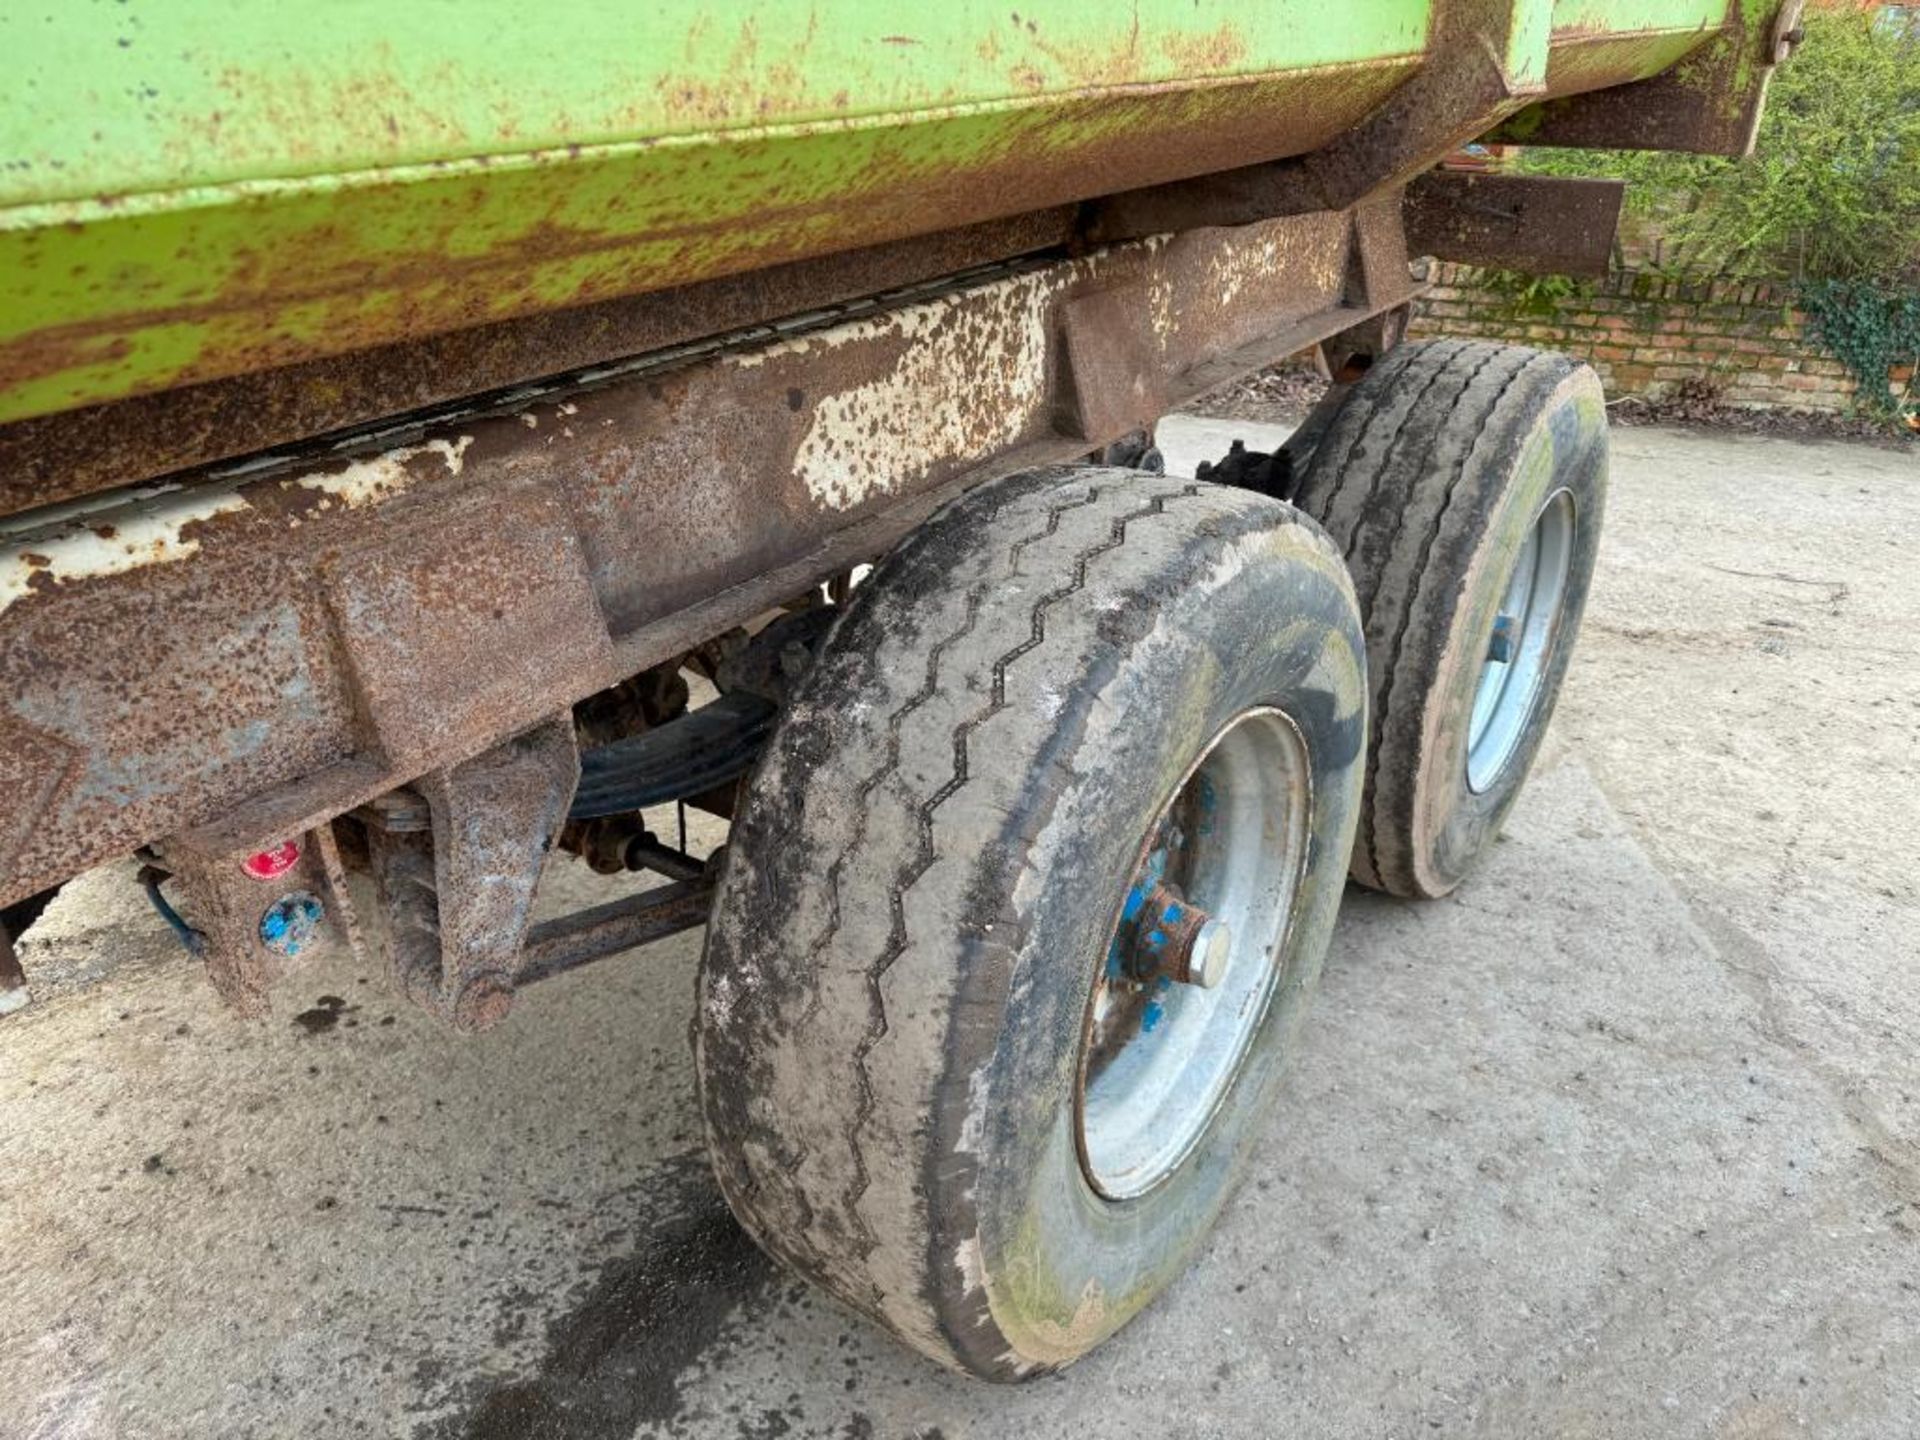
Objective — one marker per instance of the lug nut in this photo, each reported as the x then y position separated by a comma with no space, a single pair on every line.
1208,954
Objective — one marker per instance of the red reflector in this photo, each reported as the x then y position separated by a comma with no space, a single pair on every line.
272,863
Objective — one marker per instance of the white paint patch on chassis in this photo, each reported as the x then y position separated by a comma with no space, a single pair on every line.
971,378
381,476
115,534
150,531
969,381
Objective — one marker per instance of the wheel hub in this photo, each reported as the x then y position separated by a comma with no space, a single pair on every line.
1193,957
1525,633
1169,935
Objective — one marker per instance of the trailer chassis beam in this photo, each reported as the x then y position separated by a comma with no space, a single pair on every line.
345,621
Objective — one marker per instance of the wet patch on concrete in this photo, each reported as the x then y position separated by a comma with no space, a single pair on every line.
324,1014
613,1362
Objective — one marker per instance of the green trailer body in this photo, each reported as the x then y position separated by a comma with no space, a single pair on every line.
301,309
194,189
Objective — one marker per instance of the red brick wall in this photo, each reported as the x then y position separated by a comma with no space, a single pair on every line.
1646,334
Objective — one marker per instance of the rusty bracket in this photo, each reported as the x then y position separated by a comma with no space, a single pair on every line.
257,911
1377,289
457,897
1115,381
1709,104
1376,255
457,859
1538,223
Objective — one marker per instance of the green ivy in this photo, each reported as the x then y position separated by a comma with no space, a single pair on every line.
1524,295
1870,330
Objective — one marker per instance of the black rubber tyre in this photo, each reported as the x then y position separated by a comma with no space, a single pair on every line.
931,860
1429,479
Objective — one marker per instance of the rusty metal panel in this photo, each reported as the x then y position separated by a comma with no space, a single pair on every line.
458,905
239,653
262,316
1530,222
196,192
161,681
467,620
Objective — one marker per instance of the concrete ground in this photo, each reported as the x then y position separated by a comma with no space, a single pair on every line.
1623,1140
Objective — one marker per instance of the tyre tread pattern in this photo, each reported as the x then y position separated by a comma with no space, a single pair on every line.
926,854
807,1199
1385,484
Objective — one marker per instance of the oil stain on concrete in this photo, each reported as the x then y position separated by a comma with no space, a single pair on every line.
612,1362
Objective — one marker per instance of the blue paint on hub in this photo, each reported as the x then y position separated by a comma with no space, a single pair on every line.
291,923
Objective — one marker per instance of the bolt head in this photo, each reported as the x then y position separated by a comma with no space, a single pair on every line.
1500,646
482,1004
1212,948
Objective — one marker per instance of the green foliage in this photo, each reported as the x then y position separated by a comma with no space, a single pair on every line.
1830,199
1523,294
1871,331
1833,188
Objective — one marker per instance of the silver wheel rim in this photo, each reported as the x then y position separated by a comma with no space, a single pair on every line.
1158,1056
1520,644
